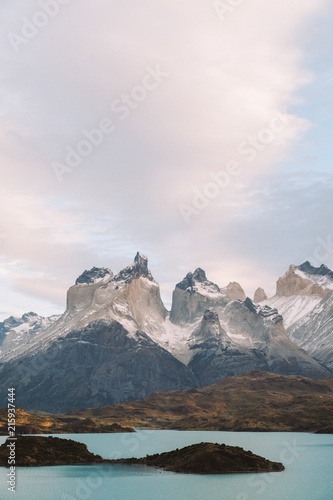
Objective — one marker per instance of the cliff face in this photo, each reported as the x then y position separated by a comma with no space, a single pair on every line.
294,284
235,292
215,355
132,295
304,297
193,295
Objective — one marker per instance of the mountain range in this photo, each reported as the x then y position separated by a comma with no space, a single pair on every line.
117,342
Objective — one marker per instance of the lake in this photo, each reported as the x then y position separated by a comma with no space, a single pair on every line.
308,459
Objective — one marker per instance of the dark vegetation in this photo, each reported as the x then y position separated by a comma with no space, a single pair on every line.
208,458
33,451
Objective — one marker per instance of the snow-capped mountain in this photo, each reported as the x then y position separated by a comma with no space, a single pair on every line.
117,342
215,355
304,297
99,351
15,331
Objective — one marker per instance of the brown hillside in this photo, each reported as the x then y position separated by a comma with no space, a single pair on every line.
257,401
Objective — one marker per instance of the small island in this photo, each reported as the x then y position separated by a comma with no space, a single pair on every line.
38,451
208,458
202,458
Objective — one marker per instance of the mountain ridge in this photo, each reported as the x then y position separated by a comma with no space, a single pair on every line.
117,342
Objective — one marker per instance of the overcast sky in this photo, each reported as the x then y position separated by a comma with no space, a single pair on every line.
213,150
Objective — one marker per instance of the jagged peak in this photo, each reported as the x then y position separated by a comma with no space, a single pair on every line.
307,268
16,320
198,282
264,312
94,275
305,280
141,259
234,291
199,275
30,314
138,269
209,329
259,295
250,305
271,313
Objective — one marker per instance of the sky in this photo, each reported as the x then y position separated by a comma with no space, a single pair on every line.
198,133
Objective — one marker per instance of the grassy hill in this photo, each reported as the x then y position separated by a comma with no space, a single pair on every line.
207,458
254,401
46,423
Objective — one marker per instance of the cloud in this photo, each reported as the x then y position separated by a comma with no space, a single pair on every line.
223,83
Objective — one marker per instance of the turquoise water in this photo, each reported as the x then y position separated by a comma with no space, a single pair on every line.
308,459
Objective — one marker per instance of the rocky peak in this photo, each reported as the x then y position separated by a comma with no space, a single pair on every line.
295,283
210,328
193,296
29,315
141,260
235,292
198,282
190,279
139,269
271,313
263,312
259,295
323,270
249,304
94,275
11,322
199,275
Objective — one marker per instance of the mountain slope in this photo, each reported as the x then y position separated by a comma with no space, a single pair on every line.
99,364
216,355
16,331
304,297
230,336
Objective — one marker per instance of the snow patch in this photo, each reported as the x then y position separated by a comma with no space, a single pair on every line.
294,307
317,279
